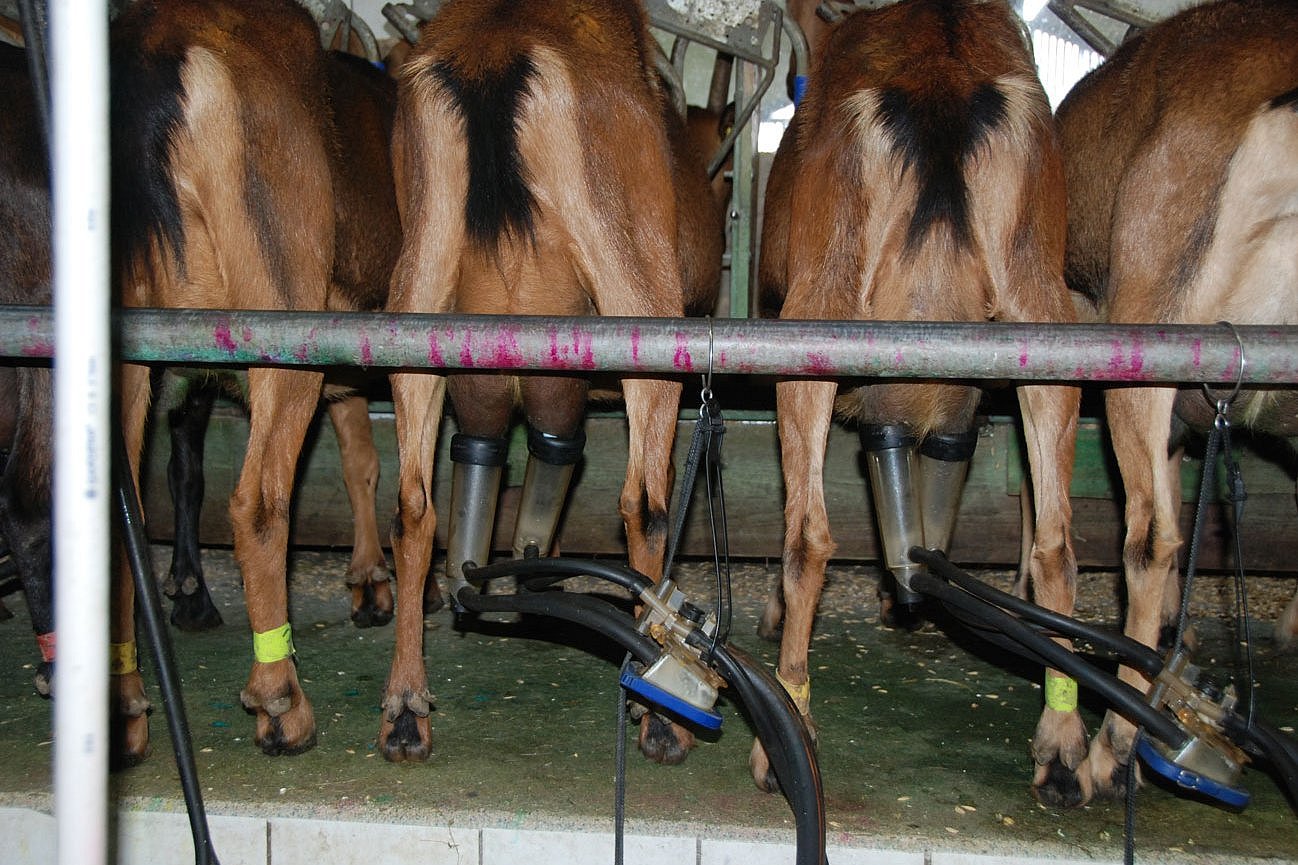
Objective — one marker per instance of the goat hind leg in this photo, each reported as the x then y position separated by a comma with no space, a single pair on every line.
282,403
651,408
1050,431
1139,420
804,410
368,576
192,607
130,721
405,733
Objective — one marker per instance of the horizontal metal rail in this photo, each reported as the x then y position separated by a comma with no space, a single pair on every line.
902,350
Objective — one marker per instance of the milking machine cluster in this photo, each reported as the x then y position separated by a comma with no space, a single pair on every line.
678,659
1193,732
678,666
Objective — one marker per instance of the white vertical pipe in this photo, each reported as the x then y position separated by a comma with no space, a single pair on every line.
78,46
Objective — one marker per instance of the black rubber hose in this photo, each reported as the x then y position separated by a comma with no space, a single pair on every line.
600,616
1127,700
989,634
149,605
1131,652
541,573
786,740
1279,749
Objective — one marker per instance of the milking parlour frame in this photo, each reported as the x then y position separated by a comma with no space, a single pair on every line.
79,332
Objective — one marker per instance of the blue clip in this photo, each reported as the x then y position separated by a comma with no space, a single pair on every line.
799,88
705,718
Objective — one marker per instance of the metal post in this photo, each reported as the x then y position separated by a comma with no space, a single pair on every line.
79,162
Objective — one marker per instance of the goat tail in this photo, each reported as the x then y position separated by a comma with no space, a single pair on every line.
499,202
146,110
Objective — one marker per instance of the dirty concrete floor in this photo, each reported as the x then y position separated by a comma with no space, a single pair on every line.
923,736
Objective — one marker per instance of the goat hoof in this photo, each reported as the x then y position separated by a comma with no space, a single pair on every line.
44,680
663,741
371,606
1114,785
433,602
760,766
1057,786
771,633
195,612
902,617
277,742
407,738
130,741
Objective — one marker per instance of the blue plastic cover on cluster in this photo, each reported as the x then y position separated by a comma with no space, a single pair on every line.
705,718
1227,795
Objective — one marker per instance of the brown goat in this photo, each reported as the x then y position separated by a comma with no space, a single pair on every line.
26,391
1181,155
920,179
540,170
251,185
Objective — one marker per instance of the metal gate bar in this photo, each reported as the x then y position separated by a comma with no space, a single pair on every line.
999,351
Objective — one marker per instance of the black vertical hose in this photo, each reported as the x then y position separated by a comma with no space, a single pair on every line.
35,27
149,606
787,743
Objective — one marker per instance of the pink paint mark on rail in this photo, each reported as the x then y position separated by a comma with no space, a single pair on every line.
224,340
37,347
554,353
635,346
1137,359
367,352
302,353
466,351
682,360
575,351
508,354
435,358
1196,352
818,363
247,334
1127,366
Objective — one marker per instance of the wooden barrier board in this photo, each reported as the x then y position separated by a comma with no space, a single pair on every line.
987,531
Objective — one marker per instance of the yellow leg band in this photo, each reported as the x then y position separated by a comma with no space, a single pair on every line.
1061,693
273,645
121,658
801,694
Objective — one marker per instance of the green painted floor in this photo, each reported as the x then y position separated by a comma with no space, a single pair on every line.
921,739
